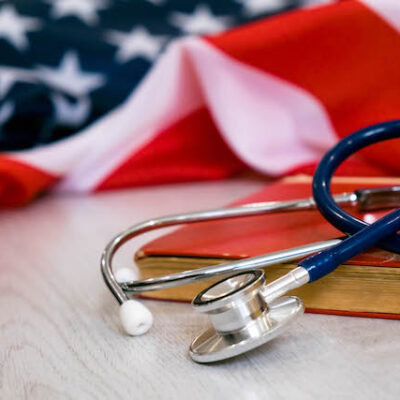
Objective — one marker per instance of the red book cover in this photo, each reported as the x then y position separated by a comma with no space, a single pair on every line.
252,236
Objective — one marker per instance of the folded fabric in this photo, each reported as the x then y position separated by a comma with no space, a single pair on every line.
272,95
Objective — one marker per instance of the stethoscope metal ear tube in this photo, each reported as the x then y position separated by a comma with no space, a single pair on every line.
245,312
229,268
362,200
347,199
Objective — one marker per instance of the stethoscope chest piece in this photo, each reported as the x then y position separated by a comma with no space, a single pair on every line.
240,317
245,312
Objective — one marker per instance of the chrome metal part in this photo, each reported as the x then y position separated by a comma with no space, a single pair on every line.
378,198
292,280
118,290
241,318
189,276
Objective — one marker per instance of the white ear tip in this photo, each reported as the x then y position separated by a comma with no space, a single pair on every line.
136,319
125,275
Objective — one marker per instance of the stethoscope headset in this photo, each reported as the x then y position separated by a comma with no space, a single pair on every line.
244,311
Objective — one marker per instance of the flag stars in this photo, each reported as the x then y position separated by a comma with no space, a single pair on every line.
14,27
11,75
85,10
6,112
251,8
201,21
156,2
72,114
136,43
69,78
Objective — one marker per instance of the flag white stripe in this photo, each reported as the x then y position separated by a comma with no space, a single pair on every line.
269,123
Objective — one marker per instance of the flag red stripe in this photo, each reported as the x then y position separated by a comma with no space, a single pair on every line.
340,53
191,149
20,183
352,167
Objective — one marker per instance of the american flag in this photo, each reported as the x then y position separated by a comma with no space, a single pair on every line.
102,94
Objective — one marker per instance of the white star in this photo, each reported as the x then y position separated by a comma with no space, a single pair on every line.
85,10
252,8
200,22
14,27
6,112
10,75
137,42
69,77
70,114
156,2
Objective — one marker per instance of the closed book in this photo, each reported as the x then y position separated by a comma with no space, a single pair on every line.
367,285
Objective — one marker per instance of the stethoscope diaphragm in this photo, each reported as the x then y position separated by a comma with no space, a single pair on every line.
240,317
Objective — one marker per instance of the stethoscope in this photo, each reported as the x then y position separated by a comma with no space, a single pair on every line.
244,311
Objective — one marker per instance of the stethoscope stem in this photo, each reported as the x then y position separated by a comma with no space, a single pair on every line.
254,209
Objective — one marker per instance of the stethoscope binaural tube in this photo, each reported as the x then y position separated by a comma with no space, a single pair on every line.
382,233
329,164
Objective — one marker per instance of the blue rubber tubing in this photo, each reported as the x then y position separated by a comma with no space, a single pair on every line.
363,236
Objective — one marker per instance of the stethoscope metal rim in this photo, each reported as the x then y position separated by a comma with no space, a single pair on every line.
212,346
255,282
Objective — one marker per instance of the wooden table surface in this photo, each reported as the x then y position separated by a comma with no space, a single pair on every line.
60,338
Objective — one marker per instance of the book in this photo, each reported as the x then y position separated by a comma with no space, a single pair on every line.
367,285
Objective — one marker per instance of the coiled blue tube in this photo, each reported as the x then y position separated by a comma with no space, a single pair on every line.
381,233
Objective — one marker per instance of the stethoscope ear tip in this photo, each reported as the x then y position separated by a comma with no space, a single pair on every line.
136,319
123,275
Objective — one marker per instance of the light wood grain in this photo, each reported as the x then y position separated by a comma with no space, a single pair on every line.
59,336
